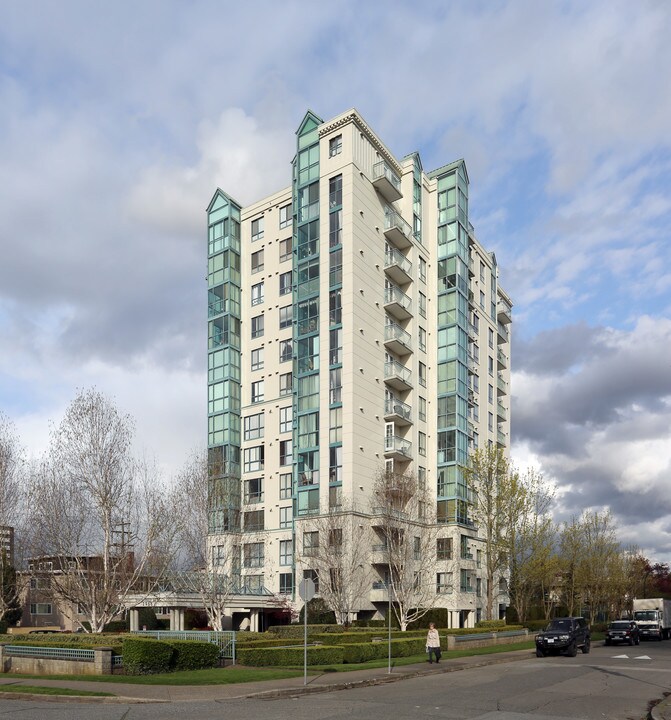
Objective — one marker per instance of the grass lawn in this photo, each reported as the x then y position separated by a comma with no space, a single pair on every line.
40,690
238,674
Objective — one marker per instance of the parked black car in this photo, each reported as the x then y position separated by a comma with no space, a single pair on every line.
622,631
564,635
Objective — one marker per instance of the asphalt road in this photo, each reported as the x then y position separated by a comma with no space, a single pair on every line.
615,683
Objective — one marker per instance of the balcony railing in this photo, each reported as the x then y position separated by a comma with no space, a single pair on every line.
397,303
397,376
501,438
504,313
397,229
386,181
394,445
397,265
501,358
501,385
501,412
503,334
397,339
398,409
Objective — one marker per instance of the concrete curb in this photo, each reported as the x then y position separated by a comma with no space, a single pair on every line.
662,711
116,700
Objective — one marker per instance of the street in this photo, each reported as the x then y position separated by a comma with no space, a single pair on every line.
616,683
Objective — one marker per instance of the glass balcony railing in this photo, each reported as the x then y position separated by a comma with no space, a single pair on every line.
394,224
387,181
501,385
501,411
502,358
394,370
395,296
394,332
392,406
504,335
396,259
398,445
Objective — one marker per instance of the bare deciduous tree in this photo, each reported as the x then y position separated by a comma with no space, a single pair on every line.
102,524
334,545
403,514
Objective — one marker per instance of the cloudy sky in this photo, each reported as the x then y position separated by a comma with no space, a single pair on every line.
118,121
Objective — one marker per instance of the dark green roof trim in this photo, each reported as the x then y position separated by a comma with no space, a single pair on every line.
220,193
310,122
447,168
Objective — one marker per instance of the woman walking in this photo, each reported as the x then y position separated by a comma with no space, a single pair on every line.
433,643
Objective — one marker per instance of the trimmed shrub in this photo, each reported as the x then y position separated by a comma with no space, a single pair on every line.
267,643
258,657
296,630
193,654
490,625
116,626
143,656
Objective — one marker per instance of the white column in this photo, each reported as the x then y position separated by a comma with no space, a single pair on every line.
134,619
254,620
180,618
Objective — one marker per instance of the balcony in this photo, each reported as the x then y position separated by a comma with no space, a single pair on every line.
501,386
397,447
472,363
397,339
397,376
501,359
397,266
397,303
380,555
471,397
503,334
501,438
386,181
396,229
397,412
379,592
504,313
501,413
473,332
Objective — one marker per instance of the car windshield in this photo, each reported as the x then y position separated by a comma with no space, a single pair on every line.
561,624
619,626
646,615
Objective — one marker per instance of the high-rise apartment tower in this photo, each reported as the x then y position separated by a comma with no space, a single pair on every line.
356,328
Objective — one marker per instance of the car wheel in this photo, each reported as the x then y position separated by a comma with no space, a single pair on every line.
539,653
573,650
585,648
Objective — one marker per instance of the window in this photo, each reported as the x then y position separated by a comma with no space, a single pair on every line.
257,261
335,228
443,583
286,316
285,486
252,555
253,583
285,216
490,394
478,558
335,347
253,425
286,419
335,425
257,359
421,441
312,575
491,338
422,409
254,490
335,497
422,304
286,350
422,374
444,549
490,365
286,516
310,543
257,294
482,299
482,271
285,283
335,385
257,229
286,583
466,580
335,464
422,339
257,326
286,552
285,249
286,383
335,307
253,458
335,267
257,391
422,269
490,422
335,146
40,608
421,478
253,520
286,452
335,191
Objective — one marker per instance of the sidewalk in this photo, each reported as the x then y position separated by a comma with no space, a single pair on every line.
290,687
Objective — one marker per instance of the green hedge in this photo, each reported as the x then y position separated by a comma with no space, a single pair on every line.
192,654
491,625
142,656
296,630
321,655
267,642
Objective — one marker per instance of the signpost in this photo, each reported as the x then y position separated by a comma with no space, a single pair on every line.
306,591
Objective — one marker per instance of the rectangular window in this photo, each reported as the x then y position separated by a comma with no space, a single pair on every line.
253,425
335,267
490,394
257,261
335,307
335,385
422,409
285,486
286,419
258,391
253,583
421,477
286,452
253,520
444,549
285,216
335,497
254,490
286,552
335,191
422,339
335,464
421,441
491,338
252,555
253,458
257,294
257,359
482,299
285,283
335,347
257,326
285,249
422,269
482,271
257,229
422,305
40,608
312,575
286,350
422,374
335,145
286,583
443,583
286,316
310,543
286,515
335,425
335,228
286,384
